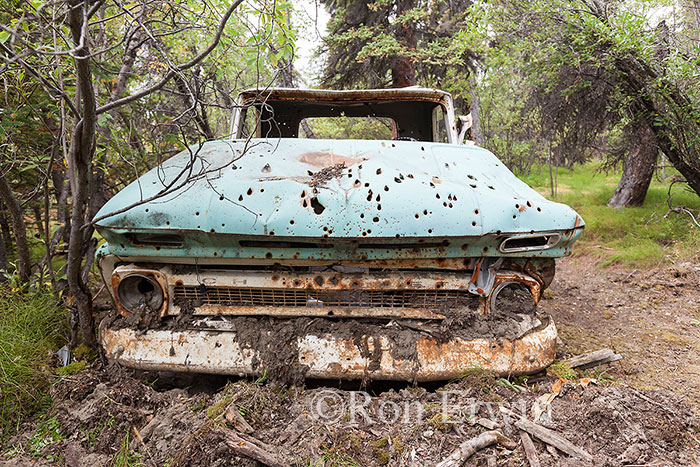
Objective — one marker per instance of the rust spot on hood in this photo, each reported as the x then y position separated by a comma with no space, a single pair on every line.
328,158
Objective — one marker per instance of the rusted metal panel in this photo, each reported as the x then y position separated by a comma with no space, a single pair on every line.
330,357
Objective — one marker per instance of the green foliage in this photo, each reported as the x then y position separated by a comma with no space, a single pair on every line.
31,329
561,370
125,457
639,236
47,433
71,369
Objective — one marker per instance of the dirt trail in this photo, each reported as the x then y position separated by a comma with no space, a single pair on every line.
649,315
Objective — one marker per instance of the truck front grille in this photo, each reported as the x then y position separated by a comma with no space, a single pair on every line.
261,297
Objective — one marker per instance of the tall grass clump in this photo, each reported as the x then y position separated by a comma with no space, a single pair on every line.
32,328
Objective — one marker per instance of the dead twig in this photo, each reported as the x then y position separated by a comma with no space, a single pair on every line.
591,359
530,451
548,436
472,446
253,448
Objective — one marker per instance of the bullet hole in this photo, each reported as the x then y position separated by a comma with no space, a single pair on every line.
422,148
369,231
471,177
357,183
325,229
266,168
386,188
272,232
417,216
393,145
240,198
215,254
268,255
291,222
317,206
425,212
397,179
437,195
454,197
447,165
498,232
430,231
196,213
379,207
366,184
359,166
223,225
262,190
364,234
472,185
444,203
250,191
432,185
378,198
221,198
449,196
379,171
303,194
517,206
491,187
362,216
473,223
539,209
167,222
199,226
529,204
410,175
349,175
375,219
486,249
369,195
450,205
311,174
398,236
146,209
514,216
476,211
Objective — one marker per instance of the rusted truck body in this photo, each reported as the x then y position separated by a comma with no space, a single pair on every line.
412,257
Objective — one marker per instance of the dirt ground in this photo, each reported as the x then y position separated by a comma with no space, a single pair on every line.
638,411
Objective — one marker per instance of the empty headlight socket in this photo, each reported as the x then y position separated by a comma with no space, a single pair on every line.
133,279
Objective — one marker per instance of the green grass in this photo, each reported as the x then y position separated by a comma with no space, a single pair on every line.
638,236
32,327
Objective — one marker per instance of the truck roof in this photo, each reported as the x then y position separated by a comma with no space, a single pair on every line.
413,93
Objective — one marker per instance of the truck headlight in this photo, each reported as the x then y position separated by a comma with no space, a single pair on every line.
138,291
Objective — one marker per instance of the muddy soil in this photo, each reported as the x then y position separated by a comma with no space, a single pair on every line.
402,425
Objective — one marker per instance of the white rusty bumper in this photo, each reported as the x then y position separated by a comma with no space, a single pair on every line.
328,357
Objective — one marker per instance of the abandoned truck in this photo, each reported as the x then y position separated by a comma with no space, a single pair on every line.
296,249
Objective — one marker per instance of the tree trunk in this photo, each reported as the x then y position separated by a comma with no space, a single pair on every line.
477,135
82,146
403,72
638,169
24,268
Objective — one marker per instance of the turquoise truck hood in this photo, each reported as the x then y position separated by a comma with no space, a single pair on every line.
333,189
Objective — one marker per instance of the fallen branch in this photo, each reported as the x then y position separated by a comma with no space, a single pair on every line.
530,451
591,359
552,438
253,448
472,446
